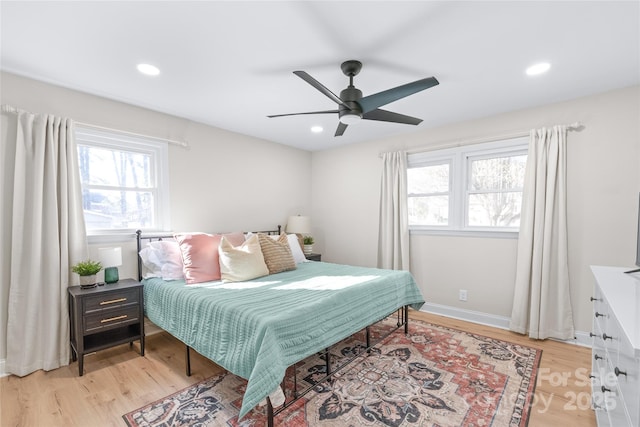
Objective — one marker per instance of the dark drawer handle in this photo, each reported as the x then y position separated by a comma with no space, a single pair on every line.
598,357
599,315
591,334
113,301
604,389
618,372
111,319
595,299
606,337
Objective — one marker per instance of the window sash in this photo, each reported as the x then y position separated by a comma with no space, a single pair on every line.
157,186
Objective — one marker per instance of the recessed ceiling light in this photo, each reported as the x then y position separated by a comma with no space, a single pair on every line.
148,69
539,68
316,129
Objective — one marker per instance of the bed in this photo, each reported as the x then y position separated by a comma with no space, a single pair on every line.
257,328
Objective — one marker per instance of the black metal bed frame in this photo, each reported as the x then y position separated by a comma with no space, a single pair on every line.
402,314
161,236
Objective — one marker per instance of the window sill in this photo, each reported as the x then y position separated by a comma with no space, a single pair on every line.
115,237
120,236
466,233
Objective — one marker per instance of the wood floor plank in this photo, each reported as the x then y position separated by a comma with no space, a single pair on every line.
118,380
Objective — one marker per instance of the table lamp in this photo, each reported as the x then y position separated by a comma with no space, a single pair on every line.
299,225
110,258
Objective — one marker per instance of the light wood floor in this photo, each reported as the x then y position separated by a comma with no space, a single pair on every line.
118,380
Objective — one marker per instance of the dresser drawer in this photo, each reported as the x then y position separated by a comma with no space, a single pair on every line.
109,319
111,300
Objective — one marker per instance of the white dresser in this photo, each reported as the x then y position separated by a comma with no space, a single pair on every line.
616,347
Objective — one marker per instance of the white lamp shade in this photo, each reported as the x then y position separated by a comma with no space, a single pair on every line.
110,257
299,224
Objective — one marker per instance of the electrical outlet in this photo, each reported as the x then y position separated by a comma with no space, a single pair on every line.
463,295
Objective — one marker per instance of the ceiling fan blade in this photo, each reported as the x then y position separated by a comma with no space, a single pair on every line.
371,102
310,112
390,116
341,128
313,82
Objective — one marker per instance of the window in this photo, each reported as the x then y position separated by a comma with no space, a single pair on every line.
124,181
469,188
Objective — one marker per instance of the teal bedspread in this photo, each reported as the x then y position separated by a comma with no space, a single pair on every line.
256,329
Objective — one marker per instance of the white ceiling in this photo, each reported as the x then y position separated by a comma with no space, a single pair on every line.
229,64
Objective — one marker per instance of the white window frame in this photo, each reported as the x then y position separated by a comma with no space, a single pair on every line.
460,158
158,150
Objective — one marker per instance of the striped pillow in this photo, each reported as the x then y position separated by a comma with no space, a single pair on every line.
277,254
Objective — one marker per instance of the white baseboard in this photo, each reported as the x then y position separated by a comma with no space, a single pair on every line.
502,322
3,373
468,315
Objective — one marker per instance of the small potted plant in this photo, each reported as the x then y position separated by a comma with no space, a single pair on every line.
87,270
307,241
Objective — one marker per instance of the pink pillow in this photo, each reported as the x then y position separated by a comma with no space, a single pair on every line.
200,258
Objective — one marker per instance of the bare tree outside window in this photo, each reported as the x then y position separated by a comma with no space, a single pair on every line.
495,191
117,190
428,202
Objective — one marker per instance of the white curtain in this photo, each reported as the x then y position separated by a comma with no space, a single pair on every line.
393,235
43,234
542,303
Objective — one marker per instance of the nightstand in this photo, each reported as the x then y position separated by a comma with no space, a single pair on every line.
313,257
105,316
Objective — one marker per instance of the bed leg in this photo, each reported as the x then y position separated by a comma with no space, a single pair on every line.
269,413
295,381
188,361
368,339
406,320
328,361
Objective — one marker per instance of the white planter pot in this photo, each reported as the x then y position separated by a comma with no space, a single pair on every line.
307,249
88,281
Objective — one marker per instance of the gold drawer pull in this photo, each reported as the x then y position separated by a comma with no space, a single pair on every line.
113,301
111,319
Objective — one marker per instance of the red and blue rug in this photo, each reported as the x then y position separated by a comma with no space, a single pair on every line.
434,377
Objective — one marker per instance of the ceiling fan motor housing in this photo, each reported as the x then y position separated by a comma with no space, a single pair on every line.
350,96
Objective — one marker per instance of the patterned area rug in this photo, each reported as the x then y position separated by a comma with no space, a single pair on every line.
434,377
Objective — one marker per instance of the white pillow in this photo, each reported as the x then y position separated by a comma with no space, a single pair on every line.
162,259
296,250
240,263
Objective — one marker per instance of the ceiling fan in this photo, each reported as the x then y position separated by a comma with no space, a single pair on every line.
352,106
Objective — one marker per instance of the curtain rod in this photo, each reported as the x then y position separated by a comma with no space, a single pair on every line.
573,126
182,144
6,108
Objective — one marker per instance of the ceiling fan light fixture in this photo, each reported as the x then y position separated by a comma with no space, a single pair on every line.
316,129
350,118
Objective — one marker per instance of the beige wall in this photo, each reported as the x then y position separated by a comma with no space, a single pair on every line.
603,186
224,181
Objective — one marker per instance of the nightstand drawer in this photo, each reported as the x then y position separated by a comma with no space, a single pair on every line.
111,319
110,300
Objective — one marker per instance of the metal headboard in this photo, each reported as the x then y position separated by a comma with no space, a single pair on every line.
155,237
